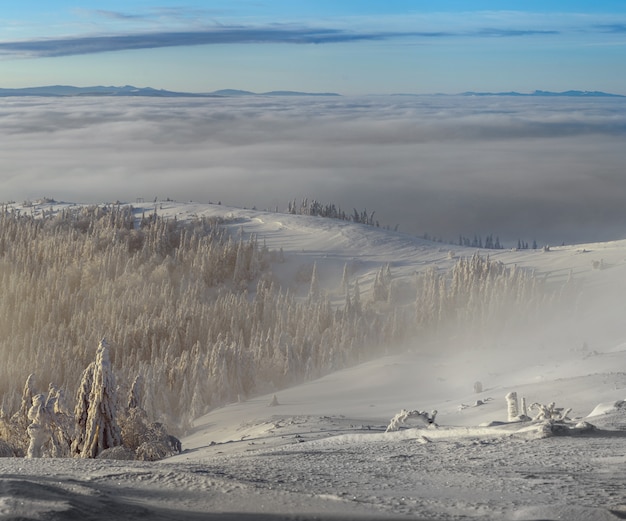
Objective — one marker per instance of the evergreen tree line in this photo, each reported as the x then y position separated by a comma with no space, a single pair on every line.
316,209
490,243
194,313
521,245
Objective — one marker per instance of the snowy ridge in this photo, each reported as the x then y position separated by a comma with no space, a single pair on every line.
320,450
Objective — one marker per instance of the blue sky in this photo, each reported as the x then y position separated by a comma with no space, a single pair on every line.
351,47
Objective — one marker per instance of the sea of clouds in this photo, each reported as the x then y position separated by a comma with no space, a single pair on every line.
550,169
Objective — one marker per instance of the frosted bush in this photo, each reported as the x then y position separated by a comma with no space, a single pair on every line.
149,441
117,453
400,419
134,428
6,450
153,451
549,412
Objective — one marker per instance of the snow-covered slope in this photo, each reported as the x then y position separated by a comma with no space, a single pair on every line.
320,449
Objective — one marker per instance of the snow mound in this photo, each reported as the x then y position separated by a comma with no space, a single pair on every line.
608,408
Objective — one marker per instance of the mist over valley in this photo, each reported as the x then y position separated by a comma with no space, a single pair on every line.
532,168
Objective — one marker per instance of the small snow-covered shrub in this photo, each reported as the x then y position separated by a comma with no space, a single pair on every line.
135,428
147,441
159,444
117,453
549,412
11,437
153,451
6,451
401,418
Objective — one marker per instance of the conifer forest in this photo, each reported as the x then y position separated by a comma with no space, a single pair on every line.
160,320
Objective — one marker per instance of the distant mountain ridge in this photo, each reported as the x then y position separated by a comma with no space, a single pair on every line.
68,90
236,92
545,93
131,91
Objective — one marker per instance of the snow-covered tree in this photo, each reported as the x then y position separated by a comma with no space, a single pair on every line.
512,406
135,393
101,430
314,287
60,423
20,418
39,427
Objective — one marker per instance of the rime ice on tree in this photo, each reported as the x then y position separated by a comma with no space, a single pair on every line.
38,429
100,430
512,406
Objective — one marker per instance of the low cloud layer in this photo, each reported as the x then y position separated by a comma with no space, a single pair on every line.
528,168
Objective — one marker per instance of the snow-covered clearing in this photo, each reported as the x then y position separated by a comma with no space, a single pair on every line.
320,450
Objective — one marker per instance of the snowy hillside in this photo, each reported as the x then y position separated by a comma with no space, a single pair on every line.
319,449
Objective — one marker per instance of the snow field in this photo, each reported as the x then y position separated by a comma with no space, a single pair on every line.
322,451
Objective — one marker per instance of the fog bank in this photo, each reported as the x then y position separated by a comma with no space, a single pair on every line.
531,168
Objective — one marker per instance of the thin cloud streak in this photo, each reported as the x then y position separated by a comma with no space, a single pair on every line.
117,15
175,27
55,47
504,33
613,28
272,34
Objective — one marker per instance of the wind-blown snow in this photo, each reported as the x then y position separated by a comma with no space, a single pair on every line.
320,450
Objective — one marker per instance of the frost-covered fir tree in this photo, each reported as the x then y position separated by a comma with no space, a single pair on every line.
314,288
39,427
134,395
382,284
101,430
82,408
59,422
20,418
345,278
